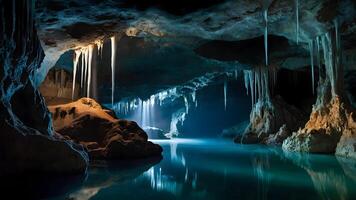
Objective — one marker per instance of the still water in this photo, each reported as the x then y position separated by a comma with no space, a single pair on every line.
218,169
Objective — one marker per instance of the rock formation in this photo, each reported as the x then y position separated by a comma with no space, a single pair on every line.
331,127
268,113
104,136
27,140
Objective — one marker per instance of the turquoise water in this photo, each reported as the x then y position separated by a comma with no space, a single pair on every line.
218,169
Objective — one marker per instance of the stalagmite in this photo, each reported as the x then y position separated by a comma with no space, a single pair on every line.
113,59
77,54
297,20
225,88
311,50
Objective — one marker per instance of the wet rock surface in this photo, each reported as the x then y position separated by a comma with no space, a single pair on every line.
104,136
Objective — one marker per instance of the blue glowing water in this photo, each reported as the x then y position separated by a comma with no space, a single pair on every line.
218,169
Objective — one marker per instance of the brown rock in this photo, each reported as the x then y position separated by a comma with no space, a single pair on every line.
105,136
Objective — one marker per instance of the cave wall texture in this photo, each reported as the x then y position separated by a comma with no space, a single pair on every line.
27,139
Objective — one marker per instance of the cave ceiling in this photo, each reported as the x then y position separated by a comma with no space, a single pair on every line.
213,29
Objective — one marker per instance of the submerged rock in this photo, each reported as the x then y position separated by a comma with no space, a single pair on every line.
105,137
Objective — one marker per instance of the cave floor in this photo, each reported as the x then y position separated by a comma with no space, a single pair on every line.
214,169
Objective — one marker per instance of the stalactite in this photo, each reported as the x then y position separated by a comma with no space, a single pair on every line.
100,46
186,104
77,54
311,50
86,50
318,59
265,14
82,70
297,20
332,52
225,93
90,61
113,62
258,81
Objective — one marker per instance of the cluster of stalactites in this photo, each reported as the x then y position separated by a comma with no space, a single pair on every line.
328,48
259,81
85,56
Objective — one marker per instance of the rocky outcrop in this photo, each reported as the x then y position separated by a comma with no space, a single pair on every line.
27,140
104,136
331,127
267,118
278,138
323,131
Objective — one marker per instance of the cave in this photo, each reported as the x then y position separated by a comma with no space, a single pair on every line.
214,99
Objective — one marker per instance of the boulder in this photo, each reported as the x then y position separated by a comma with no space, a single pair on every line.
105,137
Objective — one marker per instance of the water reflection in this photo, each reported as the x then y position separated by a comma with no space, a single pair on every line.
217,169
327,176
260,167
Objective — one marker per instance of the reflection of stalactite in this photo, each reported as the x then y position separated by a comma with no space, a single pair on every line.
260,167
329,182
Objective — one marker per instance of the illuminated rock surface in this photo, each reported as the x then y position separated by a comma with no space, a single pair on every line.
104,136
